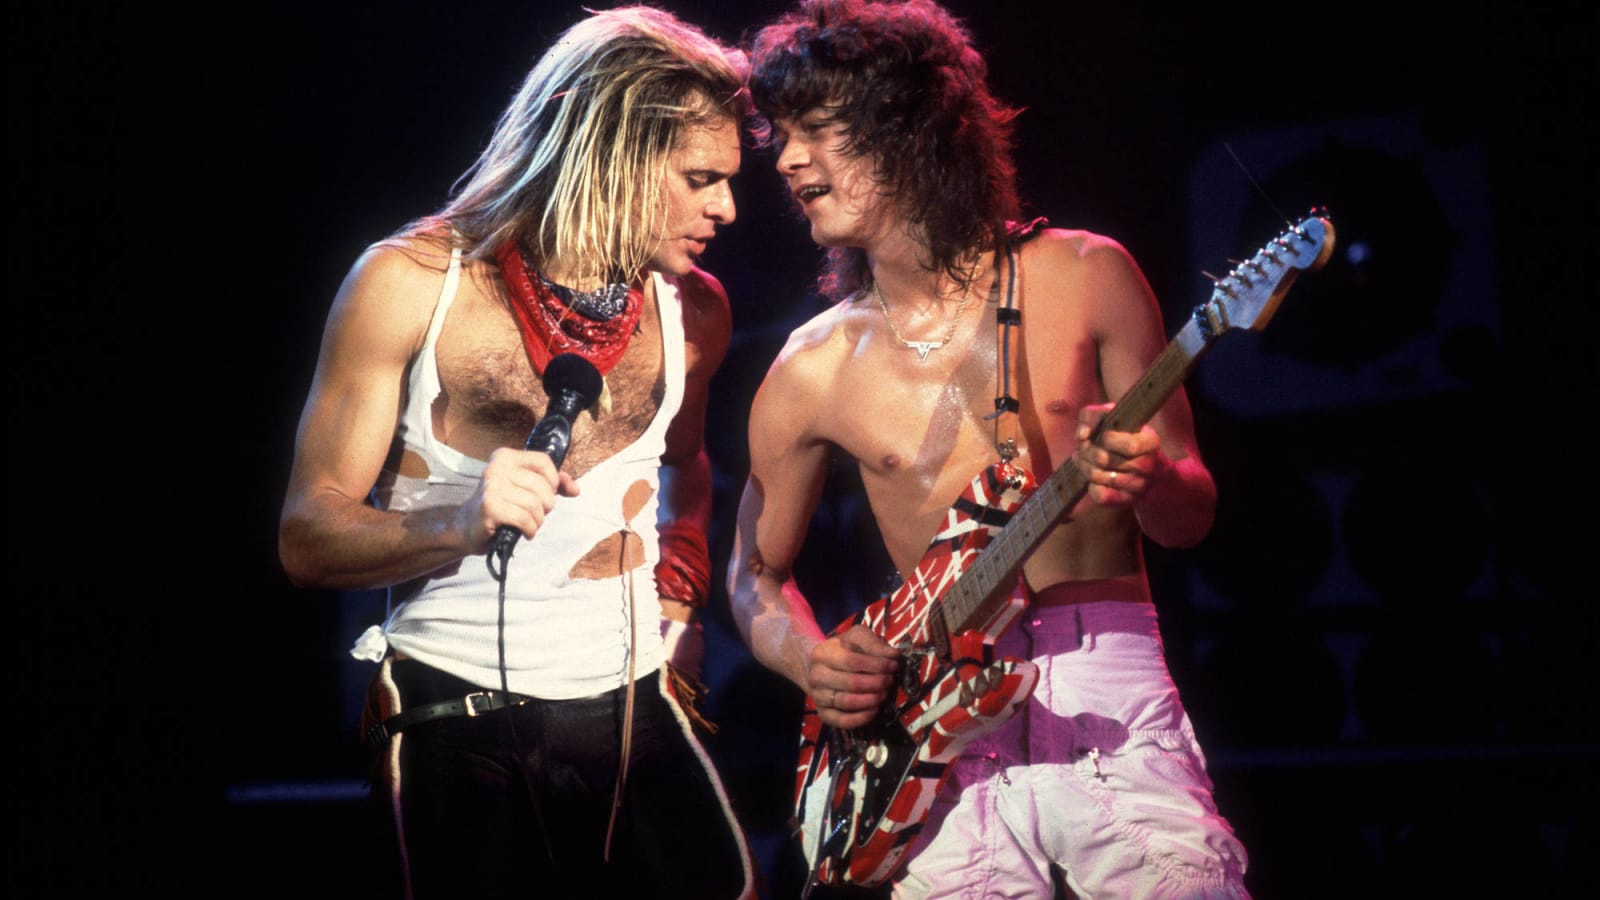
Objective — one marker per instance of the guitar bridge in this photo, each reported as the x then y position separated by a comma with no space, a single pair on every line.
911,662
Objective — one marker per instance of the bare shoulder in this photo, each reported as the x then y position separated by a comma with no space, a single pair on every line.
806,368
820,344
401,265
707,319
1082,274
390,292
704,297
1077,253
703,290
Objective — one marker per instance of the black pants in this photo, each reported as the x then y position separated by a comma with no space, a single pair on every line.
515,803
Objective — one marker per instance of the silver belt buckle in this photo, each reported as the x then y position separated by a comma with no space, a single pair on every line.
471,702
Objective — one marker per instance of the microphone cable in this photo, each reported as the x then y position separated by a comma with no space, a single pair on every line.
571,384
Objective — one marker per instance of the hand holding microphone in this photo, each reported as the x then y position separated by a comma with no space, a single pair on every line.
572,384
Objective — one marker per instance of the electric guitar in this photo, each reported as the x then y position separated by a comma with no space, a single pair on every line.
862,794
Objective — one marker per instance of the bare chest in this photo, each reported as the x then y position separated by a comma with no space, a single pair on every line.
916,426
922,430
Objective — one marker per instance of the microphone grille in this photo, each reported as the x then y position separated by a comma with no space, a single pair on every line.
571,372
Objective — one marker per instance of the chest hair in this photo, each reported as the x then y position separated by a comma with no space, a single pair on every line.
491,398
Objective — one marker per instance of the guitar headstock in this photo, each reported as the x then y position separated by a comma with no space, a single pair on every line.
1251,292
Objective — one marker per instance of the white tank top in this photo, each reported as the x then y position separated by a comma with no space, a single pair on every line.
565,637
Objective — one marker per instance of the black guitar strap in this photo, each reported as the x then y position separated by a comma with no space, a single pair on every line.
1008,317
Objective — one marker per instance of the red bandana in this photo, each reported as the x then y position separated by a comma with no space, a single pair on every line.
550,328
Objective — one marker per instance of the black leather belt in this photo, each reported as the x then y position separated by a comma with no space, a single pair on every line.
474,704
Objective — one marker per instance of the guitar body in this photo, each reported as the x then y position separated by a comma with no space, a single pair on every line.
862,794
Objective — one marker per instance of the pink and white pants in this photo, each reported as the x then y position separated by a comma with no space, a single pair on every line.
1099,774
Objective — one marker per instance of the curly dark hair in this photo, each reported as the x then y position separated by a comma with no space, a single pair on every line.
911,94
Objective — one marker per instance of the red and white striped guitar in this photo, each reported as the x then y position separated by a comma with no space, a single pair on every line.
862,794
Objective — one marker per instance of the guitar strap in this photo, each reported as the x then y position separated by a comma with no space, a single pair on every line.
1008,317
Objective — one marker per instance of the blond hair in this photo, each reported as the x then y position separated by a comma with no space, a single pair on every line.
574,169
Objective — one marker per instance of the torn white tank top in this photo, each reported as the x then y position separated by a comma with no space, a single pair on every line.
565,637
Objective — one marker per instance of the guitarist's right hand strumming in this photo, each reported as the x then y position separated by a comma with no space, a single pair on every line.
850,675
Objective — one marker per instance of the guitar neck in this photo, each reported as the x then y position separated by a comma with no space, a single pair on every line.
985,588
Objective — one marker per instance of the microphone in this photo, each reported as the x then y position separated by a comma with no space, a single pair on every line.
572,383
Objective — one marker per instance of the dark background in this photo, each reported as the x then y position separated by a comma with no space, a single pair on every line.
1385,643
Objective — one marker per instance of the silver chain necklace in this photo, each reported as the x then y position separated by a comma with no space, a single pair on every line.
922,347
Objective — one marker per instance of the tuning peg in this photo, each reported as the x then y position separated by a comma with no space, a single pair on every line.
1222,284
